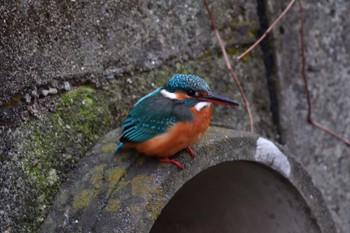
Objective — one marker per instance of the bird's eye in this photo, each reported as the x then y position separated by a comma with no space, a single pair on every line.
190,92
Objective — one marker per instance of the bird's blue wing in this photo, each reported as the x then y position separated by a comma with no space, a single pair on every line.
152,116
148,95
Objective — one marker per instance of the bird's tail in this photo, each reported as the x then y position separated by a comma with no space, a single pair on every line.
118,146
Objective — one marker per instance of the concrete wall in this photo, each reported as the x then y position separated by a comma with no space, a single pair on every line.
327,57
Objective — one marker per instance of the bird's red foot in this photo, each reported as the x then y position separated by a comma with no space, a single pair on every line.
191,152
173,161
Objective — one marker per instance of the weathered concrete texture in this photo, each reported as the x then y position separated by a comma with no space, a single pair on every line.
127,192
45,40
71,70
44,151
327,51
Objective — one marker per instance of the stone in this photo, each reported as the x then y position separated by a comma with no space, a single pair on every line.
67,86
27,98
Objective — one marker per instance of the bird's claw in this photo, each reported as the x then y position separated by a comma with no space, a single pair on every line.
173,161
191,152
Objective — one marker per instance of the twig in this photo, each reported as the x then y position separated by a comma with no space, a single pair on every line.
303,75
229,67
327,130
239,58
303,62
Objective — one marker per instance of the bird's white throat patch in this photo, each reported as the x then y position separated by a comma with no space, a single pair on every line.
201,105
168,94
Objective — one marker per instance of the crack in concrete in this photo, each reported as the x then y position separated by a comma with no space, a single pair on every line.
267,49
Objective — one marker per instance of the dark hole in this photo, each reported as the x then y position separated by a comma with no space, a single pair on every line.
236,197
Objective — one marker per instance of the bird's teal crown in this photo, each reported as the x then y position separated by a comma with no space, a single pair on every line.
185,82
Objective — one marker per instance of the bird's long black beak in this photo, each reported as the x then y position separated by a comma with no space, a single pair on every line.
217,99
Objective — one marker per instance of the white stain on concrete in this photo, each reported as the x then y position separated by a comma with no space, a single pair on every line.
269,154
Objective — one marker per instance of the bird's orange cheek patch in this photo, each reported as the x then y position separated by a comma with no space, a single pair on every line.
181,95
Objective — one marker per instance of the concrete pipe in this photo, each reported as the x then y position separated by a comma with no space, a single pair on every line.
238,182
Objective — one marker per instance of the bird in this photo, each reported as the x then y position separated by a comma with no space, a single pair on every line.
171,118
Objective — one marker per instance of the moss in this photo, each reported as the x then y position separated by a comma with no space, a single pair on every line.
121,185
85,111
154,207
115,174
141,185
14,100
54,145
39,160
108,148
83,199
96,178
113,205
113,177
134,208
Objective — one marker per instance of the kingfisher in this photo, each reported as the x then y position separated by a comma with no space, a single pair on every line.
171,118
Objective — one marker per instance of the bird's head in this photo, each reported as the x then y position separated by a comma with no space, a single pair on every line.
182,86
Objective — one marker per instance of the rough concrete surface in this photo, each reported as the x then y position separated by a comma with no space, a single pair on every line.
61,40
70,70
327,51
126,192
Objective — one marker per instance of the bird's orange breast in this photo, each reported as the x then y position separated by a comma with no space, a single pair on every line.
178,137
